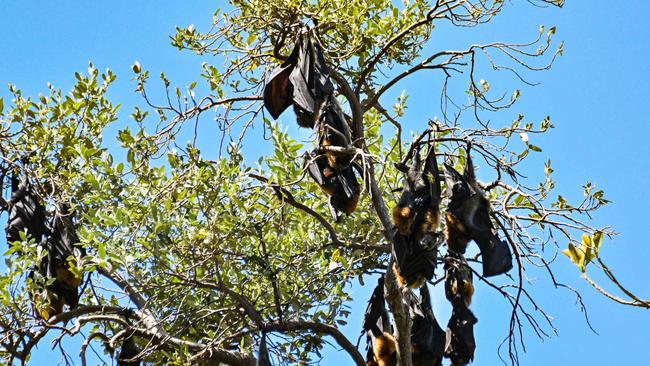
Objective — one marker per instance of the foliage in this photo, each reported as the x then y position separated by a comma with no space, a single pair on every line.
198,256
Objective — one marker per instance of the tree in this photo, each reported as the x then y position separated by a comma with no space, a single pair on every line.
253,241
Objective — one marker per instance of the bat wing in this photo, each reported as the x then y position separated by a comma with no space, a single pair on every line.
313,168
431,170
25,213
64,235
348,181
496,255
375,319
310,76
401,251
278,91
427,337
469,173
457,189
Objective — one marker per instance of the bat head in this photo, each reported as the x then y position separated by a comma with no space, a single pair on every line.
421,190
466,200
458,280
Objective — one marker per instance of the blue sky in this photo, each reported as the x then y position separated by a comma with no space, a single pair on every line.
596,95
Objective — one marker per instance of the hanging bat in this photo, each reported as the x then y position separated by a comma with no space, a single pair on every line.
128,353
468,218
59,245
333,130
460,344
427,338
382,350
302,80
420,198
416,218
263,358
458,280
341,186
26,212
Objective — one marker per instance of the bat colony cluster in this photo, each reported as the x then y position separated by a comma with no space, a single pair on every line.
55,285
303,80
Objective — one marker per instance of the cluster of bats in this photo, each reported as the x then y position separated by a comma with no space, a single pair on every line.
303,81
55,285
415,245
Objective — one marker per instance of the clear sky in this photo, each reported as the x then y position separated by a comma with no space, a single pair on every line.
596,95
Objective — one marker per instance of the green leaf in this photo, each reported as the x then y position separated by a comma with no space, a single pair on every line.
576,256
336,255
597,240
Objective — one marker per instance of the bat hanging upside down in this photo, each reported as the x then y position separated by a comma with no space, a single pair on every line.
341,186
60,246
460,345
128,353
382,349
26,212
302,80
468,218
416,218
427,338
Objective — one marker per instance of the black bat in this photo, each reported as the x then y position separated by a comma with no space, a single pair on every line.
263,358
26,212
302,80
468,218
460,344
128,353
458,280
416,218
341,186
427,337
420,196
59,245
382,350
333,130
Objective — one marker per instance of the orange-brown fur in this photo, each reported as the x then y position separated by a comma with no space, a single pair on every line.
402,280
352,203
403,219
429,224
50,307
383,349
468,290
55,302
64,275
455,234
